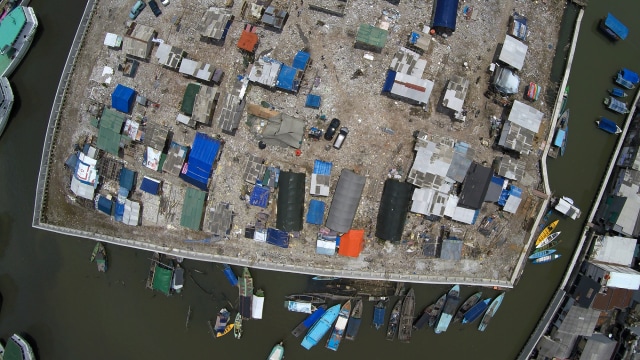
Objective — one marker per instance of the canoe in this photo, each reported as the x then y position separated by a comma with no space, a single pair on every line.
406,317
394,320
546,259
237,326
475,312
547,231
541,253
309,321
354,322
340,326
491,312
467,305
548,240
320,328
277,353
378,314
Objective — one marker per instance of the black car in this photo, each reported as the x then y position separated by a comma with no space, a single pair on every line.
331,130
154,7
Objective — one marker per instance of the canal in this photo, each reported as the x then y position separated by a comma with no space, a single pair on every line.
54,296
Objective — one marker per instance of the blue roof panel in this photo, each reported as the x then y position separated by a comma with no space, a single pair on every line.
630,76
286,78
322,167
126,178
445,14
119,213
122,98
301,60
389,81
201,158
149,185
315,215
559,138
313,101
105,205
259,196
616,26
278,238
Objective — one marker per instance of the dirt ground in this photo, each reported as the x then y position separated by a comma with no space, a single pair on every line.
350,87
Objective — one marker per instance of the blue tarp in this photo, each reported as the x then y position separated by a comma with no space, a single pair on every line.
607,125
150,185
510,191
278,238
259,196
287,78
122,98
126,178
119,213
322,167
617,106
616,27
475,217
445,14
559,138
230,275
313,101
204,152
315,214
105,205
413,38
627,78
389,81
301,60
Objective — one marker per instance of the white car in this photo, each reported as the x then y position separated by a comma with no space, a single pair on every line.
165,2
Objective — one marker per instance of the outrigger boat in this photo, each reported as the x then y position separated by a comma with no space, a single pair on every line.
394,320
541,253
237,326
245,286
99,255
546,259
491,312
546,232
277,353
549,240
467,305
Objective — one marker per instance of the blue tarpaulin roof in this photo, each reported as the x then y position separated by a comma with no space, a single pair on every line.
313,101
559,138
322,167
413,38
278,238
152,186
616,26
389,81
126,178
445,14
301,60
629,75
259,196
287,78
315,215
105,205
122,98
201,158
510,191
607,125
119,213
230,275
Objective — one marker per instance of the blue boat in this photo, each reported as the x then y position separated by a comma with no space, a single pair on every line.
339,328
627,78
309,321
616,105
379,313
491,312
613,28
541,253
560,140
320,328
354,322
228,273
617,92
475,312
608,125
449,309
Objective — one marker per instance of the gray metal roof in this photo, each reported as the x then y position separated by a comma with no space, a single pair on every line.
526,116
517,138
213,23
220,219
513,52
509,168
345,201
598,347
204,104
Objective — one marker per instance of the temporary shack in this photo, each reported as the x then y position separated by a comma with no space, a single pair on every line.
204,152
284,130
150,185
313,101
326,244
122,98
85,175
352,243
162,279
105,205
345,201
412,88
495,189
451,249
446,12
475,186
278,238
510,199
289,78
259,196
315,214
248,39
301,60
371,37
518,26
189,98
131,214
392,213
513,52
192,208
109,134
320,178
290,201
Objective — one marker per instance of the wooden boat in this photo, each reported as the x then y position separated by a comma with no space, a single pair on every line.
613,28
548,240
546,259
379,313
468,304
559,144
475,312
309,321
608,126
430,314
317,331
407,316
491,312
99,255
448,310
245,286
547,231
17,347
615,105
354,322
299,306
627,78
277,353
237,326
617,92
394,320
541,253
340,327
222,326
313,299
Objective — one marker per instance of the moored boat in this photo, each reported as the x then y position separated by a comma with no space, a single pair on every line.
407,316
222,326
177,279
277,353
546,231
237,326
467,305
230,275
17,31
565,98
245,286
476,311
546,259
354,322
313,299
430,314
608,126
491,312
448,310
394,320
615,105
325,278
613,28
309,321
17,348
338,330
627,78
549,240
560,138
566,207
320,328
257,304
299,306
541,253
99,255
617,92
6,102
379,314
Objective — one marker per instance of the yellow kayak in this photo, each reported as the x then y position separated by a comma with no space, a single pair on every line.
547,231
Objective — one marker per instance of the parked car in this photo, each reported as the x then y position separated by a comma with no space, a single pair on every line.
136,9
331,130
153,5
165,2
342,135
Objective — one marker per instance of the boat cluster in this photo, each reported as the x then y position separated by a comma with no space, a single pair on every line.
627,79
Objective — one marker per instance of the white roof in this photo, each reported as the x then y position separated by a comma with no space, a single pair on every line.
451,101
319,185
525,116
183,119
452,204
265,72
131,214
188,66
81,189
628,217
463,215
412,87
408,62
325,247
614,249
513,52
112,40
257,304
429,201
512,204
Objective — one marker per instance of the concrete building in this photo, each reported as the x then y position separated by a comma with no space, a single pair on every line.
521,127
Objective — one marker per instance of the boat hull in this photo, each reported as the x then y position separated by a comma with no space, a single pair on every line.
491,312
406,317
320,328
309,321
541,253
354,322
338,330
474,313
448,310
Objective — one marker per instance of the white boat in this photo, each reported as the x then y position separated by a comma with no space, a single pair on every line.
548,240
6,102
17,31
565,206
277,353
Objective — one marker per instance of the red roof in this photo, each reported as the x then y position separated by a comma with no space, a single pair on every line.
248,41
351,243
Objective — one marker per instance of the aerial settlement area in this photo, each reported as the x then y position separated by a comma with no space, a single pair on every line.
202,130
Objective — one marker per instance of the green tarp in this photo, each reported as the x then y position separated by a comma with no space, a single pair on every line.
192,208
162,279
189,98
290,201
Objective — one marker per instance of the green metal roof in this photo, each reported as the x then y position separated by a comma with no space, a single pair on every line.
189,98
10,27
162,279
371,35
109,133
192,208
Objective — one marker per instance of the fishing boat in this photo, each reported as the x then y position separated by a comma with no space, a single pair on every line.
177,279
229,274
430,314
627,78
615,105
320,328
566,207
245,285
613,28
448,310
99,255
339,328
541,253
617,92
222,326
565,98
394,320
491,312
313,299
407,316
309,321
237,327
608,125
17,31
17,348
299,306
467,305
6,102
277,353
546,231
549,241
257,304
354,322
546,259
476,311
560,138
379,314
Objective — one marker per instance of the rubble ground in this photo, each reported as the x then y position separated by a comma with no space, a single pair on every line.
350,87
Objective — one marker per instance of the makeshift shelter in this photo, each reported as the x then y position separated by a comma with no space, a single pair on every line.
345,201
451,249
351,243
192,208
204,152
446,12
394,206
410,88
162,279
513,52
475,186
248,39
278,238
326,243
85,176
290,201
215,23
301,60
284,130
289,78
510,199
320,178
315,214
127,177
109,134
259,196
371,37
150,185
105,205
313,101
189,98
122,98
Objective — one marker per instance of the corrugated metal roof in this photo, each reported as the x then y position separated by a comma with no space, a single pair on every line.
290,201
315,214
192,208
371,35
513,52
346,199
